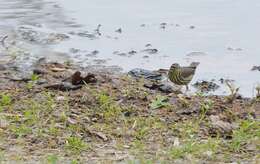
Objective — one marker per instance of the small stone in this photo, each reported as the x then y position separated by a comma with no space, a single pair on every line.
60,98
148,45
119,30
41,81
38,71
255,68
151,50
3,123
221,126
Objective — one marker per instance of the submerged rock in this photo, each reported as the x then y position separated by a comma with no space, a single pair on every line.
206,86
40,36
142,73
255,68
151,50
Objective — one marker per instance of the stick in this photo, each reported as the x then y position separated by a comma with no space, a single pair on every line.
3,41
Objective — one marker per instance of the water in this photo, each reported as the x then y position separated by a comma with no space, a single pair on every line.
226,31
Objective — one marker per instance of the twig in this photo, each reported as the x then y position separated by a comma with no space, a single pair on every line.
97,30
3,42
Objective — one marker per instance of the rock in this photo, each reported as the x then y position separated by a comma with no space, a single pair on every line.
60,98
74,50
163,87
152,86
119,30
166,88
77,79
72,121
90,78
18,78
39,71
220,126
2,67
142,73
206,86
151,50
196,54
122,54
148,45
41,81
255,68
37,35
3,123
132,52
63,86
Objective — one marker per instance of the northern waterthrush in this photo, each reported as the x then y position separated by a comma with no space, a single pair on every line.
182,75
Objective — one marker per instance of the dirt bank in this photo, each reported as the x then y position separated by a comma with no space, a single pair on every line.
59,115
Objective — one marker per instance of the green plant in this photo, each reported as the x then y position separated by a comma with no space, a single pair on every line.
21,130
205,106
74,161
5,99
181,151
34,77
159,102
233,91
76,145
52,159
33,81
247,130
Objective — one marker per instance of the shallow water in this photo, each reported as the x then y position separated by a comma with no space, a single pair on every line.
226,31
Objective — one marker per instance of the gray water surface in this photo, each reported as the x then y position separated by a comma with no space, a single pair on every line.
223,35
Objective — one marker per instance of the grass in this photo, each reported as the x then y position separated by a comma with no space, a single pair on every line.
42,121
195,148
52,159
205,106
76,145
159,102
248,131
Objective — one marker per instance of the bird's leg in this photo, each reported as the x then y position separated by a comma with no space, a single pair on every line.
187,88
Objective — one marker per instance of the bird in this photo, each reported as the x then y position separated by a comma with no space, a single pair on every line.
182,75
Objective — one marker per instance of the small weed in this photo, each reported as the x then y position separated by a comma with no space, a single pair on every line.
109,109
181,151
52,159
195,148
76,145
205,106
159,102
247,131
5,100
33,81
21,130
34,77
187,129
233,91
74,161
257,88
138,146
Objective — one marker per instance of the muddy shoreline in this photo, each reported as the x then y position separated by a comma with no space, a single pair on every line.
66,113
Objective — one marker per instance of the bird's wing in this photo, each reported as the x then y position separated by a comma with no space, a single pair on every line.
188,72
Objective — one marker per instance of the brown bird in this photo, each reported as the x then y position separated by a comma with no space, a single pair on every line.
182,75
